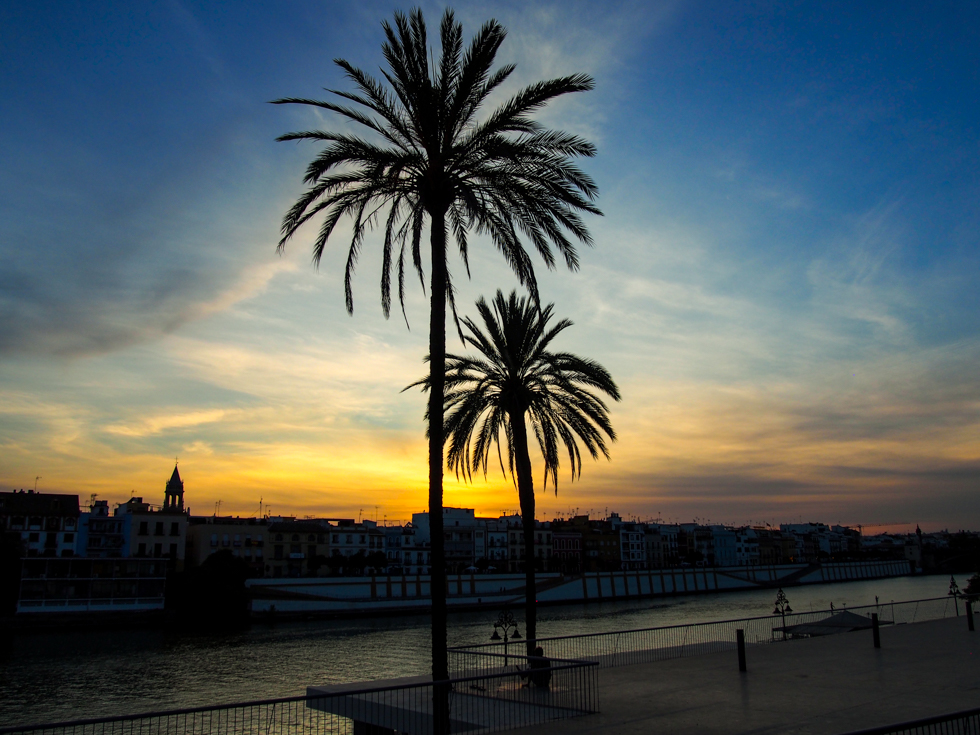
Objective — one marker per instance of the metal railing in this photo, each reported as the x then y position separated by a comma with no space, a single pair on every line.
958,723
489,700
646,645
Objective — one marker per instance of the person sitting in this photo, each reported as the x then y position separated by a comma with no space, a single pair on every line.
538,671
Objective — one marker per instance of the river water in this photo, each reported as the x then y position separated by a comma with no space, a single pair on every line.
52,676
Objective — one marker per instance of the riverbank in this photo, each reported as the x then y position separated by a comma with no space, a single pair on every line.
305,597
57,675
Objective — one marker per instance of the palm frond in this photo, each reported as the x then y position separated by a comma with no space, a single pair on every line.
425,151
515,377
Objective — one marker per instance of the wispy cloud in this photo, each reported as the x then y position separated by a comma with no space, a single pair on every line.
784,285
157,424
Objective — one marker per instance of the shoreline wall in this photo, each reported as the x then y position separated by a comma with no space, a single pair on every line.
380,595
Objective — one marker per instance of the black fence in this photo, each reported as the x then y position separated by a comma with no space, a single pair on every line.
958,723
495,697
495,687
646,645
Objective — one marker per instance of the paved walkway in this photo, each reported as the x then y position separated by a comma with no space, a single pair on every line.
829,685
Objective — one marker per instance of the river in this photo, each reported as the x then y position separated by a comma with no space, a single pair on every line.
52,676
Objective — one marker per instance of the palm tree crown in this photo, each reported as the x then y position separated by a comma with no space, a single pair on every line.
517,376
431,157
517,381
428,157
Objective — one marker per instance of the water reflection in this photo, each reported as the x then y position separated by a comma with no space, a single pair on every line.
54,676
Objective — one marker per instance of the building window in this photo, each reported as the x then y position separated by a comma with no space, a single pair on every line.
143,528
175,529
173,551
141,550
158,529
69,537
214,540
157,550
34,537
238,539
225,540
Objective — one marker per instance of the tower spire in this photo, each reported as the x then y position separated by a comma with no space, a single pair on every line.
173,498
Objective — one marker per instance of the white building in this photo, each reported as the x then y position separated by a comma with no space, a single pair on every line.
45,523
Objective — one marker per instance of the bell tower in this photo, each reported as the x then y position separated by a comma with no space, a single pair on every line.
173,498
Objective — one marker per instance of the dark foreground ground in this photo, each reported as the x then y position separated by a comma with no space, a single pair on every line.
830,685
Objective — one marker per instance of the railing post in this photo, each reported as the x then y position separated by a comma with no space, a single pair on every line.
874,628
969,614
740,640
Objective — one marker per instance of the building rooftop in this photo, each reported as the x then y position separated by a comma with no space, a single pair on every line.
28,502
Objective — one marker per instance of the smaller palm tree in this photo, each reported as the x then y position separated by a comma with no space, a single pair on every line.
516,382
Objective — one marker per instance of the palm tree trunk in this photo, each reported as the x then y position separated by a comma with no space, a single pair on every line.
437,541
525,491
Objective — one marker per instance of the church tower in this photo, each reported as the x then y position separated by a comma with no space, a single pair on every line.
173,499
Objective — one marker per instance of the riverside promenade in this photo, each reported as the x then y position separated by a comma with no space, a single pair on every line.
830,685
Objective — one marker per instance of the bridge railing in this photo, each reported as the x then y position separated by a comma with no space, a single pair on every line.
957,723
492,699
645,645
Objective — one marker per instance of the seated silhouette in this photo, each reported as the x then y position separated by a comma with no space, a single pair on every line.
538,671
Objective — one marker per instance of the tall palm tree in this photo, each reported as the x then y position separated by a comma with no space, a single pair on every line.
428,158
517,381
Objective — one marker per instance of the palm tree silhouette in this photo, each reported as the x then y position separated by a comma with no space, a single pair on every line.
517,381
428,157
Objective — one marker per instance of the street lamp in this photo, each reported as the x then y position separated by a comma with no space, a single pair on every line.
782,607
505,621
954,591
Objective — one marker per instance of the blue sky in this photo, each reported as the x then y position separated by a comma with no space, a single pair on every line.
784,283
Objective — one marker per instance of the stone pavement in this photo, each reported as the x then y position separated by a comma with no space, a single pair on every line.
829,685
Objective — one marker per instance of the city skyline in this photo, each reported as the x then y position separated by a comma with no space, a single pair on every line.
784,285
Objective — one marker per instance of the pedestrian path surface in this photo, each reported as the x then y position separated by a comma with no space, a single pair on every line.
830,685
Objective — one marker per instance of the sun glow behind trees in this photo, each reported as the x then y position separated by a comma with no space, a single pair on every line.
784,285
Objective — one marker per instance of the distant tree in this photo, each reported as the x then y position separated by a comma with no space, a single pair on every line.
318,562
973,585
213,594
11,551
355,564
518,382
378,561
431,159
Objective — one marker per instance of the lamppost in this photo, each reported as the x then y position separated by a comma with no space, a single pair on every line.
505,621
782,607
954,592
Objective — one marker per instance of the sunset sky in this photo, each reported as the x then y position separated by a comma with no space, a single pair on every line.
785,284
